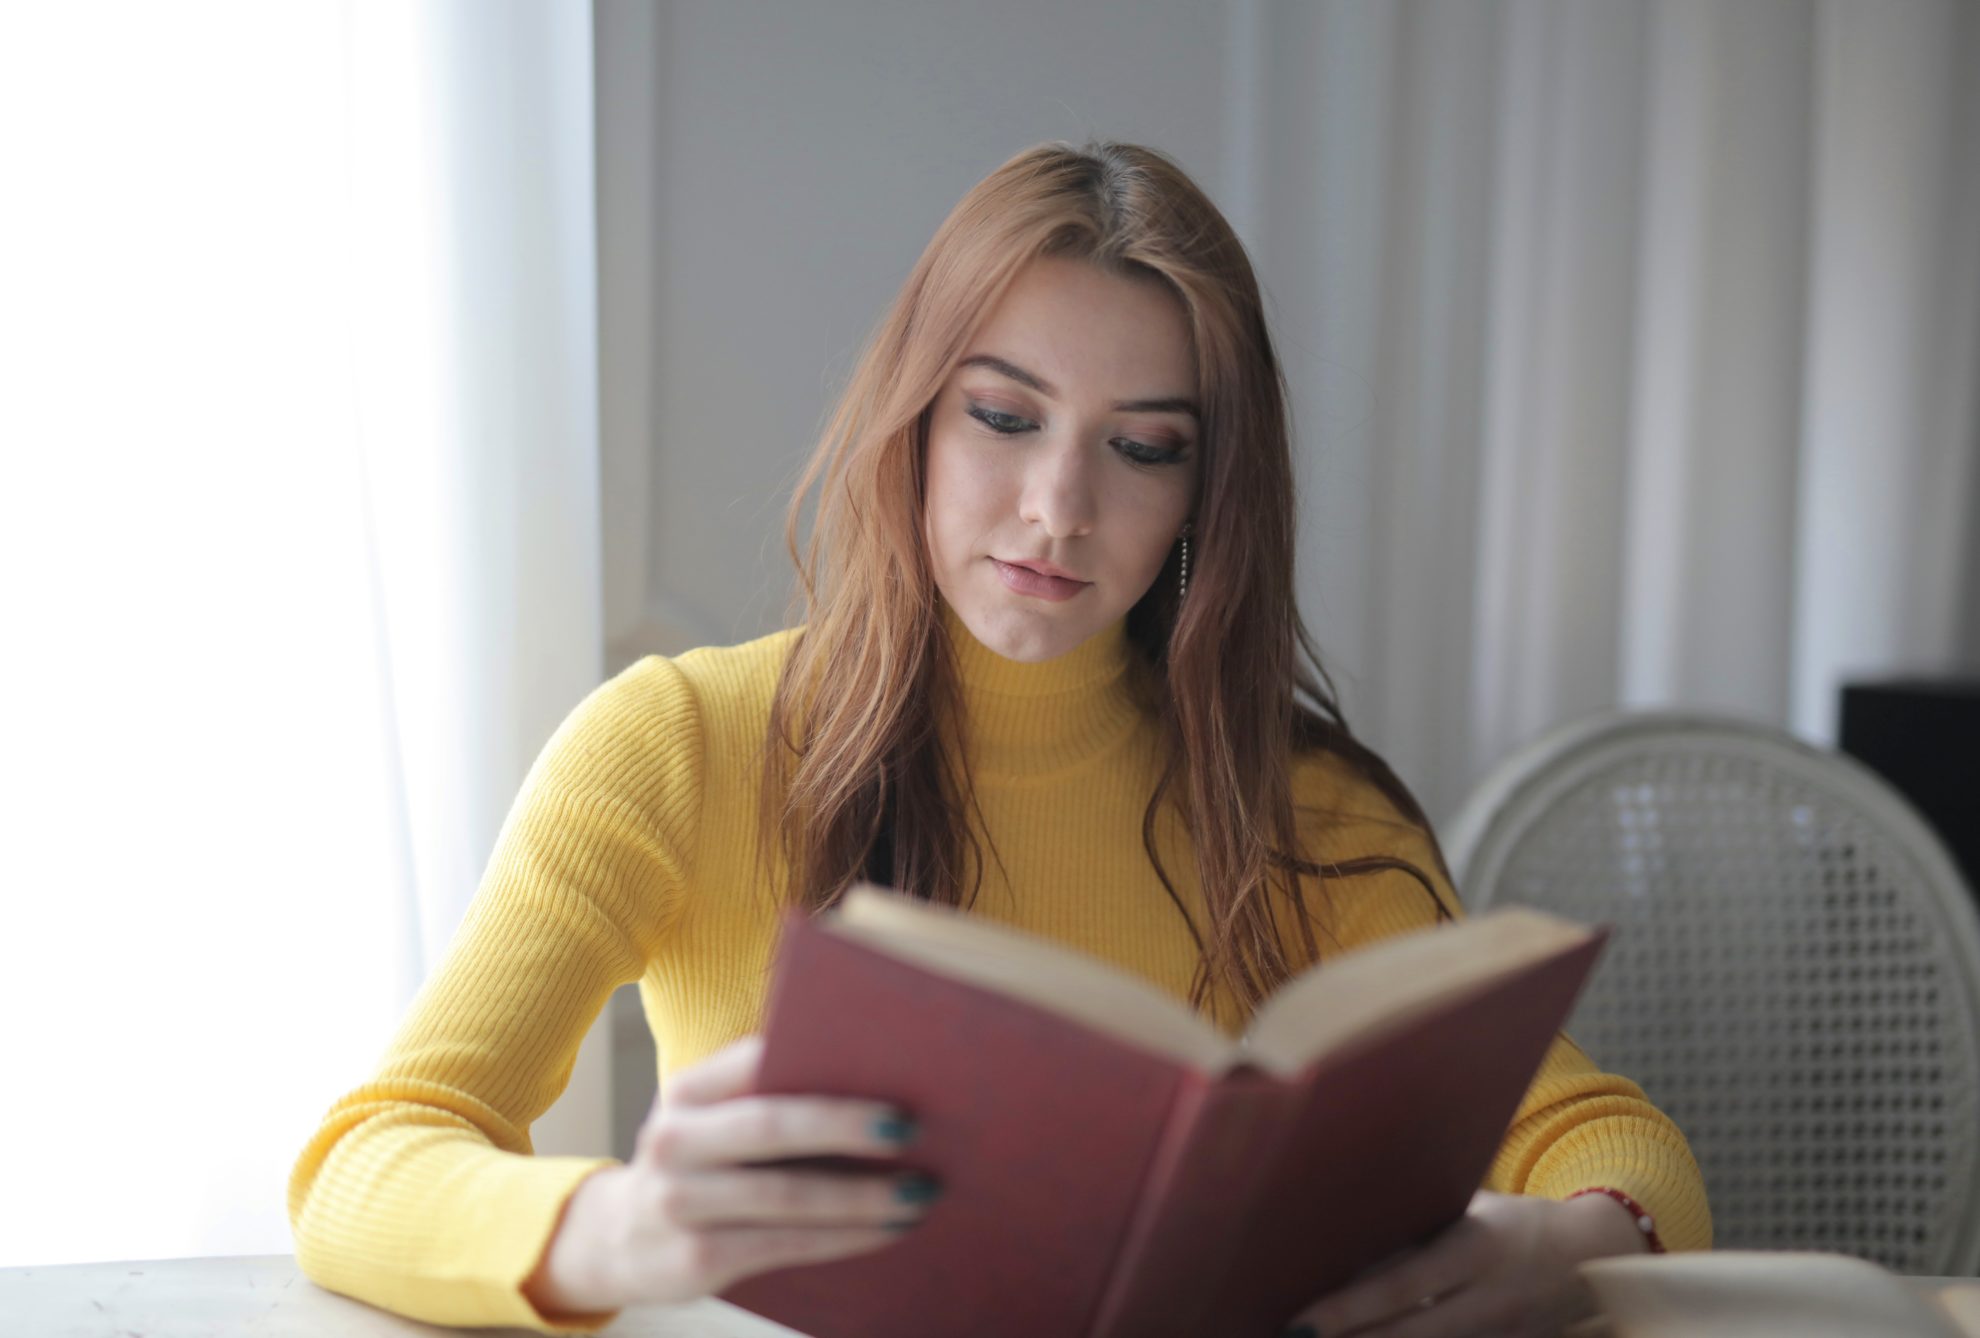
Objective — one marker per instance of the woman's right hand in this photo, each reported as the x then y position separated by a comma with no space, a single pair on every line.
683,1219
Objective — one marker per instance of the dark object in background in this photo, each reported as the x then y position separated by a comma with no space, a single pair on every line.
1923,736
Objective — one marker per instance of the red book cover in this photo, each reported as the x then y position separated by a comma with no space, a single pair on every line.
1097,1189
1388,1143
1202,1183
1276,1190
1039,1129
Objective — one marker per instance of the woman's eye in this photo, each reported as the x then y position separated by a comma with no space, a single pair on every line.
1137,452
997,422
1143,454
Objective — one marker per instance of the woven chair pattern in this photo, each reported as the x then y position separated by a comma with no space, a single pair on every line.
1788,979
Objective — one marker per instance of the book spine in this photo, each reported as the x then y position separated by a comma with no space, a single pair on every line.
1209,1169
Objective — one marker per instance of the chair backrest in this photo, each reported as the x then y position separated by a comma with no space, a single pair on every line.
1794,975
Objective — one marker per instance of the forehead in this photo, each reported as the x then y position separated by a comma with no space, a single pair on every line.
1091,333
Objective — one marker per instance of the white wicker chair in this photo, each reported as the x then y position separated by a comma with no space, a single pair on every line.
1794,975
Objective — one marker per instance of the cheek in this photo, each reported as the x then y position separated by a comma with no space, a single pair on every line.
952,494
1164,519
940,471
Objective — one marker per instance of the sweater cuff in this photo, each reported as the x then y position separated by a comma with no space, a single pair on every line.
509,1208
1669,1193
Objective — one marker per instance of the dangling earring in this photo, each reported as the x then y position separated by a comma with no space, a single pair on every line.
1183,588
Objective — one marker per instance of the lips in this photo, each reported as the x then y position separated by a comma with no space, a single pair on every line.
1045,569
1028,580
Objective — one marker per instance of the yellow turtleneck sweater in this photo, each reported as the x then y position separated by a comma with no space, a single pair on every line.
627,857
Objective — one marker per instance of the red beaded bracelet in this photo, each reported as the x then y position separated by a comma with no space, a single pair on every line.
1644,1222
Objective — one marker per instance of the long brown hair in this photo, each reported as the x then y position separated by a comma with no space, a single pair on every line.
857,759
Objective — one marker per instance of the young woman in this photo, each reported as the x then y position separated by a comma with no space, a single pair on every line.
1048,670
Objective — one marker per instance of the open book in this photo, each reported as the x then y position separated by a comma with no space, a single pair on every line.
1112,1163
1775,1294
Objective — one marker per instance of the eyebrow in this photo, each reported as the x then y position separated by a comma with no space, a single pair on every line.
1044,387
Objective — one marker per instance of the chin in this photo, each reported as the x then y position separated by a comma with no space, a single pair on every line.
1028,640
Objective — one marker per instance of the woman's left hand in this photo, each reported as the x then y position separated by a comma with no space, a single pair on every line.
1506,1268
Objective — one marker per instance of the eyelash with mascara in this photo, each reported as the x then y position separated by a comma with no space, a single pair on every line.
1156,455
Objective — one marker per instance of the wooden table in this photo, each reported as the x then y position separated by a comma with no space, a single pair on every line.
262,1296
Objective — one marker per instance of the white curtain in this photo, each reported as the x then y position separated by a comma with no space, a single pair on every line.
1633,349
300,544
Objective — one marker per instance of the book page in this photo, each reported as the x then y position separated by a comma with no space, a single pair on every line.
1961,1303
1396,979
1359,993
1760,1294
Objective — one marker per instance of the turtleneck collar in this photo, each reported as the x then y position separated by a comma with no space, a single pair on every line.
1030,721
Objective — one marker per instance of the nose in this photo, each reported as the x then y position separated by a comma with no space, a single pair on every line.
1059,496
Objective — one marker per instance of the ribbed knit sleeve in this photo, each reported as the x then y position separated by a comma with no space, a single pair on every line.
1577,1127
419,1192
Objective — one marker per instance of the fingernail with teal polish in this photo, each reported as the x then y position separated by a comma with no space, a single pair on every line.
894,1129
917,1189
